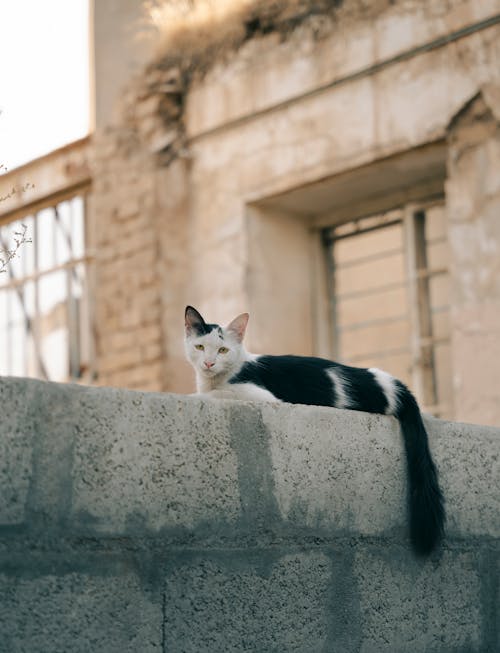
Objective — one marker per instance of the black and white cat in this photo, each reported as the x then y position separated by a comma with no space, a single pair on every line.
225,369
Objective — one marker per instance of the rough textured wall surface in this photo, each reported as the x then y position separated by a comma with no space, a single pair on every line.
473,208
148,522
191,154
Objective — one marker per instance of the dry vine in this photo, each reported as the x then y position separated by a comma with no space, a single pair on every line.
6,255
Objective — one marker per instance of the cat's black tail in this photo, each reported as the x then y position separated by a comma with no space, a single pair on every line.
426,501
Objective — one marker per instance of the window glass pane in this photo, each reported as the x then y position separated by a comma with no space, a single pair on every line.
44,315
54,346
16,309
51,292
4,369
63,233
13,327
52,324
45,239
31,368
17,342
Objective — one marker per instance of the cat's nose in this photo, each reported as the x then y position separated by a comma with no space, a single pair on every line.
209,365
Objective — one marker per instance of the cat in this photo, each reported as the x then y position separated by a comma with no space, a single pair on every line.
224,369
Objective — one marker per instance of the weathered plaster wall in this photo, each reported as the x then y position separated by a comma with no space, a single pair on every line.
308,138
473,205
276,117
259,126
149,522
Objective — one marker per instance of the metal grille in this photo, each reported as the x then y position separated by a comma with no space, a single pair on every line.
389,298
44,297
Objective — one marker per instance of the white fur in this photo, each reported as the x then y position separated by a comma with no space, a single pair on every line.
225,365
388,386
212,382
340,387
243,392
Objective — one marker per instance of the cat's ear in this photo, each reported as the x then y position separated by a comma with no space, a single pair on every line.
193,321
238,326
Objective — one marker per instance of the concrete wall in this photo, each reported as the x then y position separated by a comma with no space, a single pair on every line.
473,204
148,522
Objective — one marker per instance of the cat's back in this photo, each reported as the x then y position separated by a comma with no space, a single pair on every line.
295,379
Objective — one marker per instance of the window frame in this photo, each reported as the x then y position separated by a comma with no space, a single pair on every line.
75,372
418,275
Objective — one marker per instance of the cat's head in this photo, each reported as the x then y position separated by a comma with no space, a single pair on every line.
211,349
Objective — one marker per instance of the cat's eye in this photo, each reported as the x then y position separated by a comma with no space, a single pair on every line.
199,347
223,350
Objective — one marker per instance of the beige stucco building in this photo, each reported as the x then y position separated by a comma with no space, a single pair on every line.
335,174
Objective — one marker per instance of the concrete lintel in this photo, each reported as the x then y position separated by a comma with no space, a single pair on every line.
36,184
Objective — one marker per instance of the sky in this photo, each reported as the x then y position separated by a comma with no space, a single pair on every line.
44,77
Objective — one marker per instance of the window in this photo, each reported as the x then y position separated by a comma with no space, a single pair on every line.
389,293
44,308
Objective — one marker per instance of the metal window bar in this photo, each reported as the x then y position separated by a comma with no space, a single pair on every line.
28,322
330,236
331,290
72,312
423,341
32,324
423,368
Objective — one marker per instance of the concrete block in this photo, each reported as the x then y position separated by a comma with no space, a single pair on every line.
269,528
16,454
345,472
409,607
78,613
469,460
248,603
151,461
54,409
337,471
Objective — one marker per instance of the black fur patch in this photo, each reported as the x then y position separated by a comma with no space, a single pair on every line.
202,329
198,324
363,390
304,380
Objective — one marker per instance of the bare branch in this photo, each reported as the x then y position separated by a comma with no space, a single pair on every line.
6,255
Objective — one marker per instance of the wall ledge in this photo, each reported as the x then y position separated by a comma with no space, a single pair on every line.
105,462
156,522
